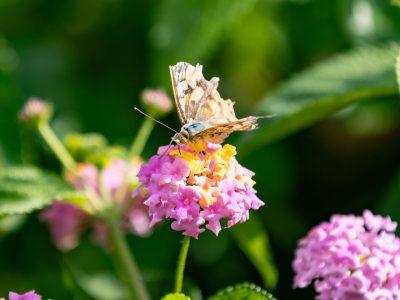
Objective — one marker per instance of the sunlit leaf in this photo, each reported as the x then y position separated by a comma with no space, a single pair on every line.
25,189
324,89
176,296
242,291
252,239
101,286
398,70
90,278
10,223
396,2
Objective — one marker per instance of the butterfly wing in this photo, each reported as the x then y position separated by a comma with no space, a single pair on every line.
196,98
215,110
192,92
217,134
189,88
179,100
198,101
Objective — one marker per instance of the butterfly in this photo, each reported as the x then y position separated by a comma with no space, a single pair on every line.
204,115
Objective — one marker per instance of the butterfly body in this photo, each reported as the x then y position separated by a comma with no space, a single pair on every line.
205,116
188,132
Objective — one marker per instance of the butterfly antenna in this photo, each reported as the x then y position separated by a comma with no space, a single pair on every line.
151,118
267,116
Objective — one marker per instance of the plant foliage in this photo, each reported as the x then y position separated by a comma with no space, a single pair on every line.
243,291
24,189
324,89
253,239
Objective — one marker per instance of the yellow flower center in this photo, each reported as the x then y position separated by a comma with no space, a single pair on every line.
207,169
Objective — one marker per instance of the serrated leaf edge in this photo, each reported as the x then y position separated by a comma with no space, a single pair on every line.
245,285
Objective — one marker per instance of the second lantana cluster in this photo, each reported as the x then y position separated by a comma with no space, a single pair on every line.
351,257
109,188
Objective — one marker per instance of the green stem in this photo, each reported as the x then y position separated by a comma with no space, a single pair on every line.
126,264
56,146
141,137
181,264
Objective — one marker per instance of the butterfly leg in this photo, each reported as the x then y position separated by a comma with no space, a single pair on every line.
167,150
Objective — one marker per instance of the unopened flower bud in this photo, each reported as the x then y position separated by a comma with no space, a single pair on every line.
156,102
35,110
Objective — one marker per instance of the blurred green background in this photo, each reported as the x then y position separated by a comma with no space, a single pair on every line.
92,59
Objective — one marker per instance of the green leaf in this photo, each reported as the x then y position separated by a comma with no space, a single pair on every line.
10,224
396,2
175,296
242,291
24,189
252,239
100,286
324,89
88,275
398,70
72,286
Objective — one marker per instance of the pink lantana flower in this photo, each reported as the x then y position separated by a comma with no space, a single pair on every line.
350,257
31,295
197,189
107,189
66,223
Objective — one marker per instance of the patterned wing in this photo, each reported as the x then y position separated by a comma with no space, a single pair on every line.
217,134
215,110
197,99
187,84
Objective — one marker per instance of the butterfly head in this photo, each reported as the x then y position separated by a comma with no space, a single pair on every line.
188,131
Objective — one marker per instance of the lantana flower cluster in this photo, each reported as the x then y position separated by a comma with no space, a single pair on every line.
197,189
110,188
351,258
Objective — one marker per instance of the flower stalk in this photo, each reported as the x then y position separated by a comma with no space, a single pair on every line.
126,265
181,264
141,137
56,145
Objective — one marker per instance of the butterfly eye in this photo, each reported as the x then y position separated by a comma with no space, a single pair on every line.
194,128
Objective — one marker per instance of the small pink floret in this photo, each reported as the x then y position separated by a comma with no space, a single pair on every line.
31,295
